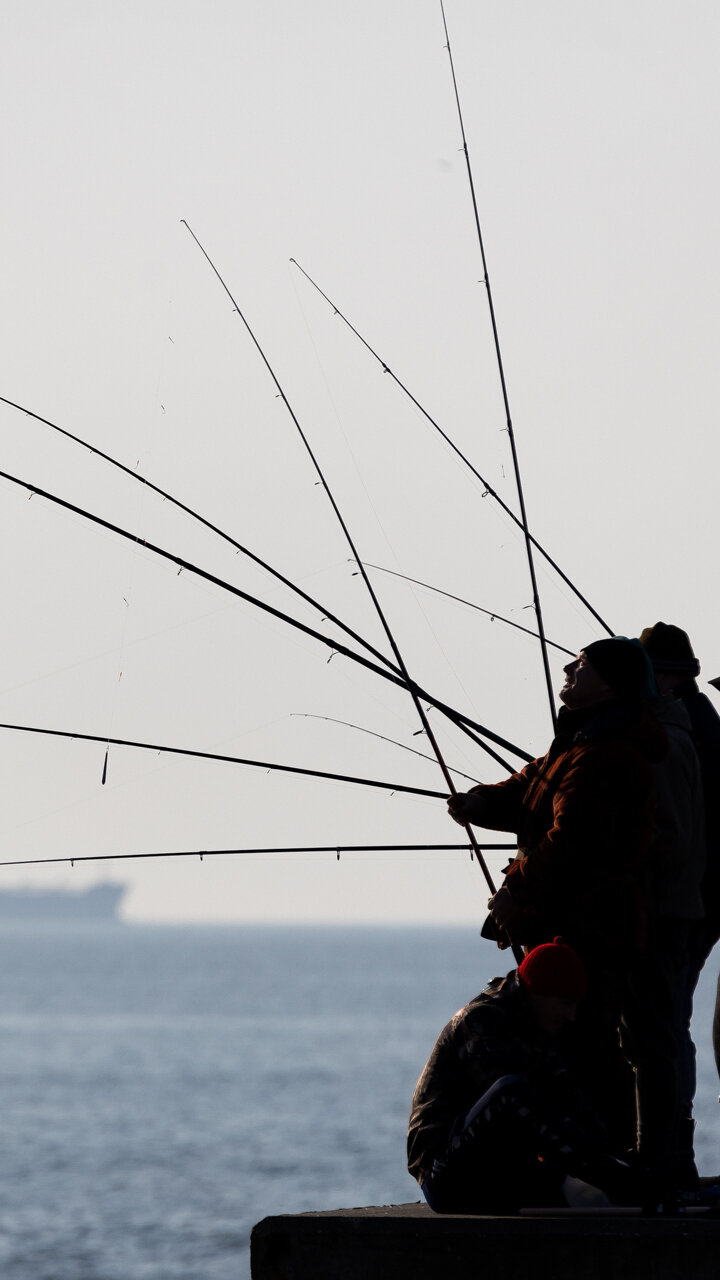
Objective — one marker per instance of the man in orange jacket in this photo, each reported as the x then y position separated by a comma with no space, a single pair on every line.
582,813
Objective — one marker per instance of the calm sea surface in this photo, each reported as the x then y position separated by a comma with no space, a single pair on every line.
163,1089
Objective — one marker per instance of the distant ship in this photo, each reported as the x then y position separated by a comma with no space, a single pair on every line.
101,902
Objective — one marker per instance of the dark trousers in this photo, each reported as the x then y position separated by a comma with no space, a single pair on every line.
510,1150
656,1038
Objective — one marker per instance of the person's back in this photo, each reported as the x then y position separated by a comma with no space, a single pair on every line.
675,867
676,668
683,889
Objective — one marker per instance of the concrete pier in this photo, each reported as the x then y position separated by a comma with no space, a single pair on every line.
409,1242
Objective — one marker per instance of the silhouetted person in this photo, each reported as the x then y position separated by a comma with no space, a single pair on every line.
497,1122
582,814
676,669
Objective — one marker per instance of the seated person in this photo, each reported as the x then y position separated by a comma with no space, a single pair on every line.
497,1123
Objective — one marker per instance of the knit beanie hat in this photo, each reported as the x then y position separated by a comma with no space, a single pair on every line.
669,649
554,969
624,665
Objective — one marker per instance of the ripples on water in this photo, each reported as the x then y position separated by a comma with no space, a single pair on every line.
163,1088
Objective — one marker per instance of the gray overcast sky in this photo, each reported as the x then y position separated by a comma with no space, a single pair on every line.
328,132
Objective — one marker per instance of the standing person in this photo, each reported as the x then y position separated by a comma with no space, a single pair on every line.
676,669
497,1122
658,1007
583,816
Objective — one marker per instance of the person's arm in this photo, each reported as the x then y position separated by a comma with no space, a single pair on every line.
495,805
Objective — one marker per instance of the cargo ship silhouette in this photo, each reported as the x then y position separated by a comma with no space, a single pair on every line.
100,902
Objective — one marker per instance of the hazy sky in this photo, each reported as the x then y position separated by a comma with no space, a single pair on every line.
328,132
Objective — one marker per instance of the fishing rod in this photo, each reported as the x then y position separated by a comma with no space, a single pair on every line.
492,493
371,592
489,612
308,715
384,672
208,524
508,419
327,614
211,755
224,853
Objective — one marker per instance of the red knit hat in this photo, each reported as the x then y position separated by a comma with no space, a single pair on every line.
554,969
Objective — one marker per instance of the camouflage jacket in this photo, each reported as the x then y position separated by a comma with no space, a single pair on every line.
490,1037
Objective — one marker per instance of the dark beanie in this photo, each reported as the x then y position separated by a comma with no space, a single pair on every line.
669,649
624,665
554,969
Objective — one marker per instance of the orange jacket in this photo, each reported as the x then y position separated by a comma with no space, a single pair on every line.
583,818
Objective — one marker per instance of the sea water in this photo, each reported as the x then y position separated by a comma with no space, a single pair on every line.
163,1089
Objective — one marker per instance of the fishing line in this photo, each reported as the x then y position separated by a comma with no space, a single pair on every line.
116,689
125,607
164,356
109,653
127,596
141,513
489,490
491,613
384,672
390,637
224,853
308,715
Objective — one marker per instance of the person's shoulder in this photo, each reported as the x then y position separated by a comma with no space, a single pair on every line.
495,1002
